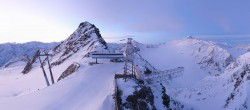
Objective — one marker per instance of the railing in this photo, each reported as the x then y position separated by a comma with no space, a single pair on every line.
167,74
116,95
124,76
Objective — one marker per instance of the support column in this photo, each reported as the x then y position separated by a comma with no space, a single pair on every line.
45,76
51,75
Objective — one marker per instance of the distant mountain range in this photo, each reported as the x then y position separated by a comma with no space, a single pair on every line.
213,75
9,51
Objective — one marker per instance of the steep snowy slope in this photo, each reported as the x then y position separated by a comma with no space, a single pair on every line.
87,36
199,58
209,56
244,48
90,87
238,74
85,39
225,87
215,76
229,91
10,51
234,50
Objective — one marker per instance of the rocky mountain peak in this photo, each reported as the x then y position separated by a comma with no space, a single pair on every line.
86,36
84,24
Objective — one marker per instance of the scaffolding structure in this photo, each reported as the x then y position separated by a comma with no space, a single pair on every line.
129,58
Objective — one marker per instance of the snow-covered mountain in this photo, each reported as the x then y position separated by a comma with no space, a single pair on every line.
86,36
208,55
12,51
214,76
85,39
225,87
191,53
70,56
15,61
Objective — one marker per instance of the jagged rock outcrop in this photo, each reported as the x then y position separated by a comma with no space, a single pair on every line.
71,69
239,72
86,38
86,35
28,66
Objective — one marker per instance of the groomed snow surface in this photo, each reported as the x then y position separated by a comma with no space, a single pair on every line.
90,88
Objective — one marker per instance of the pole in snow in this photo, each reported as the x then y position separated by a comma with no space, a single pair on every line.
44,73
51,75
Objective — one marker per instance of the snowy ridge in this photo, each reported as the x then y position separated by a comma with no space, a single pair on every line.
9,51
77,83
208,55
239,72
86,35
14,62
229,90
199,88
243,47
215,76
85,39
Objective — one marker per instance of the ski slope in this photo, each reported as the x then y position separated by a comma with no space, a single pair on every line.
90,88
216,76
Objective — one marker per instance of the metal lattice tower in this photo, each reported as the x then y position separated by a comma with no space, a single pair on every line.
129,58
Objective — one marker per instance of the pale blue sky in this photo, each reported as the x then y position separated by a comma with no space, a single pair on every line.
153,21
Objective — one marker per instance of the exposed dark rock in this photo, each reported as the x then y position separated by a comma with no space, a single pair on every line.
140,99
228,61
118,99
238,79
28,66
86,35
165,98
71,69
147,71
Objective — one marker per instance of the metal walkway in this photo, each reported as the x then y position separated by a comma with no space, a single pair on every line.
167,74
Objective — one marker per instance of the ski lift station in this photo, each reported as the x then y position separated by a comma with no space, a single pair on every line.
110,56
